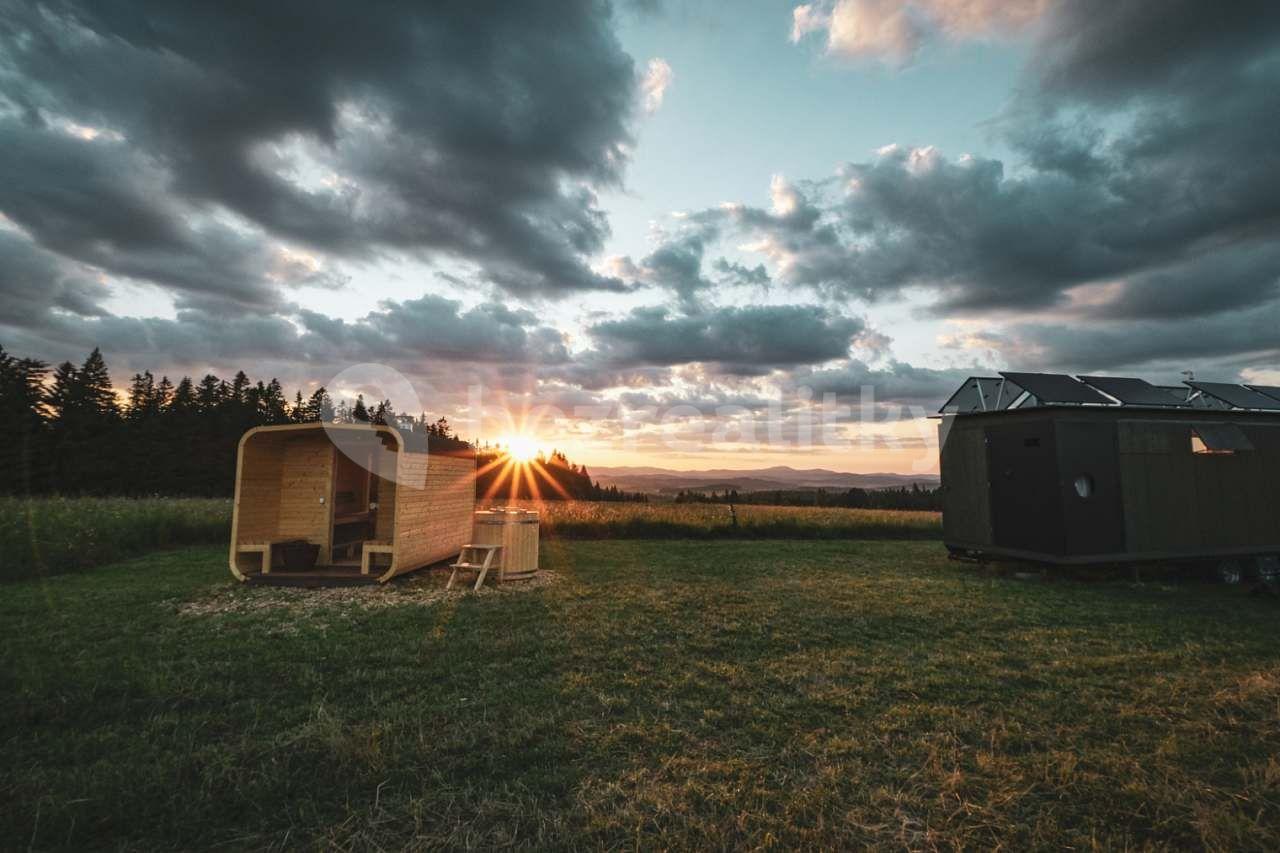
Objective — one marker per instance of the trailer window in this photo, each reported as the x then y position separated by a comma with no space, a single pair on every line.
1084,486
1221,439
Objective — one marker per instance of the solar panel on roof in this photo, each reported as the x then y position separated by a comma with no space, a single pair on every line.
1236,395
1056,388
1133,392
1272,391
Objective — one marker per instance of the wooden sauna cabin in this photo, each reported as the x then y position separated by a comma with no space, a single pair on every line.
368,502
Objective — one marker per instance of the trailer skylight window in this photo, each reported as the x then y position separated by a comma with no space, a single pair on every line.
1223,439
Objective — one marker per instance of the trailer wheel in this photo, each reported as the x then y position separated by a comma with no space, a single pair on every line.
1230,572
1268,569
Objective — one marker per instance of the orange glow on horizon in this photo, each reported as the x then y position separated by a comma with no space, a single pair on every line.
516,468
519,466
521,448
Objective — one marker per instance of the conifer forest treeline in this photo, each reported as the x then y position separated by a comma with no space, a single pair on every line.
63,430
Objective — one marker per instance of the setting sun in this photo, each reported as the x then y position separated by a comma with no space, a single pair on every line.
521,448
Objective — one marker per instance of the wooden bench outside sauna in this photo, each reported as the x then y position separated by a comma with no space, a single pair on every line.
377,501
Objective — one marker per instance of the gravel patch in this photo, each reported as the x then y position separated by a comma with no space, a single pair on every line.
423,590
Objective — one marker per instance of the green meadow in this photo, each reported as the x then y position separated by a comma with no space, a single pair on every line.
679,694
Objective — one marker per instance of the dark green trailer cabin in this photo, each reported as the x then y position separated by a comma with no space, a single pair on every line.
1048,468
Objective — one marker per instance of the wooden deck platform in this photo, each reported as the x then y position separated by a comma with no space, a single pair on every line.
345,575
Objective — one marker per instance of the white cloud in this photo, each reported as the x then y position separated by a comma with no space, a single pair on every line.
882,28
657,78
784,196
894,31
809,18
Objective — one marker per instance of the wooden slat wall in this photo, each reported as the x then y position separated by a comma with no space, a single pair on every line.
258,495
966,498
1158,486
1182,502
1232,493
432,522
306,488
1134,496
385,520
1264,490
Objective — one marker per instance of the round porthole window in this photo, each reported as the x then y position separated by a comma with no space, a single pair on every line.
1084,486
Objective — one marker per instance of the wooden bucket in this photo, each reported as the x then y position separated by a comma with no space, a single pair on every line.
516,530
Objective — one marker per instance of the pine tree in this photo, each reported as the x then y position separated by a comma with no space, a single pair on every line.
85,416
240,387
95,388
142,397
22,422
255,401
184,397
164,393
320,406
209,394
62,391
383,414
21,388
358,412
274,407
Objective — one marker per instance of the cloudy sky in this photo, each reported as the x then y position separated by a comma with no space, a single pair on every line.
671,233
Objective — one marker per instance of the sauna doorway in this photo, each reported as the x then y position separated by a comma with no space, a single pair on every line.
363,501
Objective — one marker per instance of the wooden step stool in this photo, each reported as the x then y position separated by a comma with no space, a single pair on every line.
474,558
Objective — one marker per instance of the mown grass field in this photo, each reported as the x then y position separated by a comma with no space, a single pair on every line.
45,536
660,694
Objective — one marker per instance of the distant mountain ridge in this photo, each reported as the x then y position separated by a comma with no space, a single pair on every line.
780,477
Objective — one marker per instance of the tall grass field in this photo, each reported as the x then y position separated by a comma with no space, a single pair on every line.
601,520
45,536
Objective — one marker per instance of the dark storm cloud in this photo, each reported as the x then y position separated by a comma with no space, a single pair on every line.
419,335
734,273
590,371
465,129
1244,338
1147,170
677,265
1234,277
896,382
191,337
33,282
1114,51
1168,192
741,341
101,203
433,327
705,400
